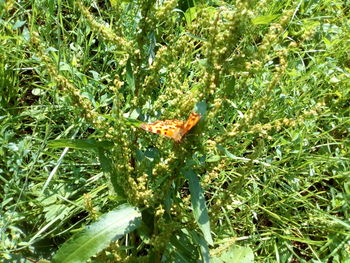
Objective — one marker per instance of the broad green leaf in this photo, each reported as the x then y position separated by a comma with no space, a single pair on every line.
182,249
97,236
235,254
80,144
203,245
200,210
262,20
201,108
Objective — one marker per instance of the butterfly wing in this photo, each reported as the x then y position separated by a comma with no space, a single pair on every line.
170,128
192,120
174,129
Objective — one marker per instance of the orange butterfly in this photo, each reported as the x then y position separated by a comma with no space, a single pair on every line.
174,129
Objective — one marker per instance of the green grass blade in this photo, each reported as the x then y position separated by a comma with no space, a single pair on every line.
108,168
80,144
130,76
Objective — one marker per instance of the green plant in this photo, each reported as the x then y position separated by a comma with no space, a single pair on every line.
266,168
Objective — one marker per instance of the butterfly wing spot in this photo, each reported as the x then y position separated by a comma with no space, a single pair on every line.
174,129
